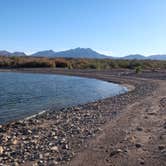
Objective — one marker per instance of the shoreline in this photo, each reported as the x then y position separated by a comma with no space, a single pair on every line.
58,137
126,88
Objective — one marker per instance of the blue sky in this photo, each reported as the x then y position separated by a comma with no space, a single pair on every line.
114,27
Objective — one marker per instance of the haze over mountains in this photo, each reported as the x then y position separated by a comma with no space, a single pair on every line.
81,53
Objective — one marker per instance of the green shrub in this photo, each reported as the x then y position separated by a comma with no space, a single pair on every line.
138,69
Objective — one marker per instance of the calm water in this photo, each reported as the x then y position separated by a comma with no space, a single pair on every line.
22,95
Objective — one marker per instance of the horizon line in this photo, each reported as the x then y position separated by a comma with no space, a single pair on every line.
103,52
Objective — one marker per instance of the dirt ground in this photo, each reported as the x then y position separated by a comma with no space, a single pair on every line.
135,137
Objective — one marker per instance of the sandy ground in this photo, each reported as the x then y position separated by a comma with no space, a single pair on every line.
137,135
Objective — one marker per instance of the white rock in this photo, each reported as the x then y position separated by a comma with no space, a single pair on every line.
1,149
55,148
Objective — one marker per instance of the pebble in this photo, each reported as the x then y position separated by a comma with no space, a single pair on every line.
114,152
139,129
161,147
164,125
141,161
145,117
152,113
163,152
53,163
137,145
15,141
16,164
55,148
1,150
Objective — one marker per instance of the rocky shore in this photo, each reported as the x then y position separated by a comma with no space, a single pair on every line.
55,138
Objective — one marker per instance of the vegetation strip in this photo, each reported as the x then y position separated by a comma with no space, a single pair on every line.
80,63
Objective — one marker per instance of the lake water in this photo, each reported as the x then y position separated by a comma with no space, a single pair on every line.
22,95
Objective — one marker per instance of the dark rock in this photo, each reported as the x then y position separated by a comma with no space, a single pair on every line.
139,129
141,161
161,147
115,152
137,145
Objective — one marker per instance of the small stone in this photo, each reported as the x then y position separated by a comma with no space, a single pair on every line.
47,154
77,109
164,125
36,136
148,130
63,140
1,149
138,145
15,164
163,152
52,163
55,148
161,147
152,113
139,129
15,141
35,164
41,156
163,137
132,139
141,161
67,146
115,152
53,133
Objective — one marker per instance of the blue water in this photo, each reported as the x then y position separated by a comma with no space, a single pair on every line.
22,95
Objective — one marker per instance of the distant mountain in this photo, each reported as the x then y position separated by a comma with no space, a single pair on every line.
18,54
6,53
82,53
72,53
141,57
157,57
45,53
134,56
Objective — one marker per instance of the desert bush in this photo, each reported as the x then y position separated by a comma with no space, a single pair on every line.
138,69
70,63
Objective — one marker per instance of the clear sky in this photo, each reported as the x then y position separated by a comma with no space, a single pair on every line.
114,27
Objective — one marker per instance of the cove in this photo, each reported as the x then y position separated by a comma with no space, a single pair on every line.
25,94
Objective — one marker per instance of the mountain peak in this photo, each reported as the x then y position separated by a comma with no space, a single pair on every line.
44,53
134,56
17,53
72,53
4,53
80,53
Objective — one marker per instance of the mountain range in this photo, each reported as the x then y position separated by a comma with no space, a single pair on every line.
6,53
82,53
141,57
72,53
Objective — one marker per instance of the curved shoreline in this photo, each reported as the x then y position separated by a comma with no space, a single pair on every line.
63,134
126,88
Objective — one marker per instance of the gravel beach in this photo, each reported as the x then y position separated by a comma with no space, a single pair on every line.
128,129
